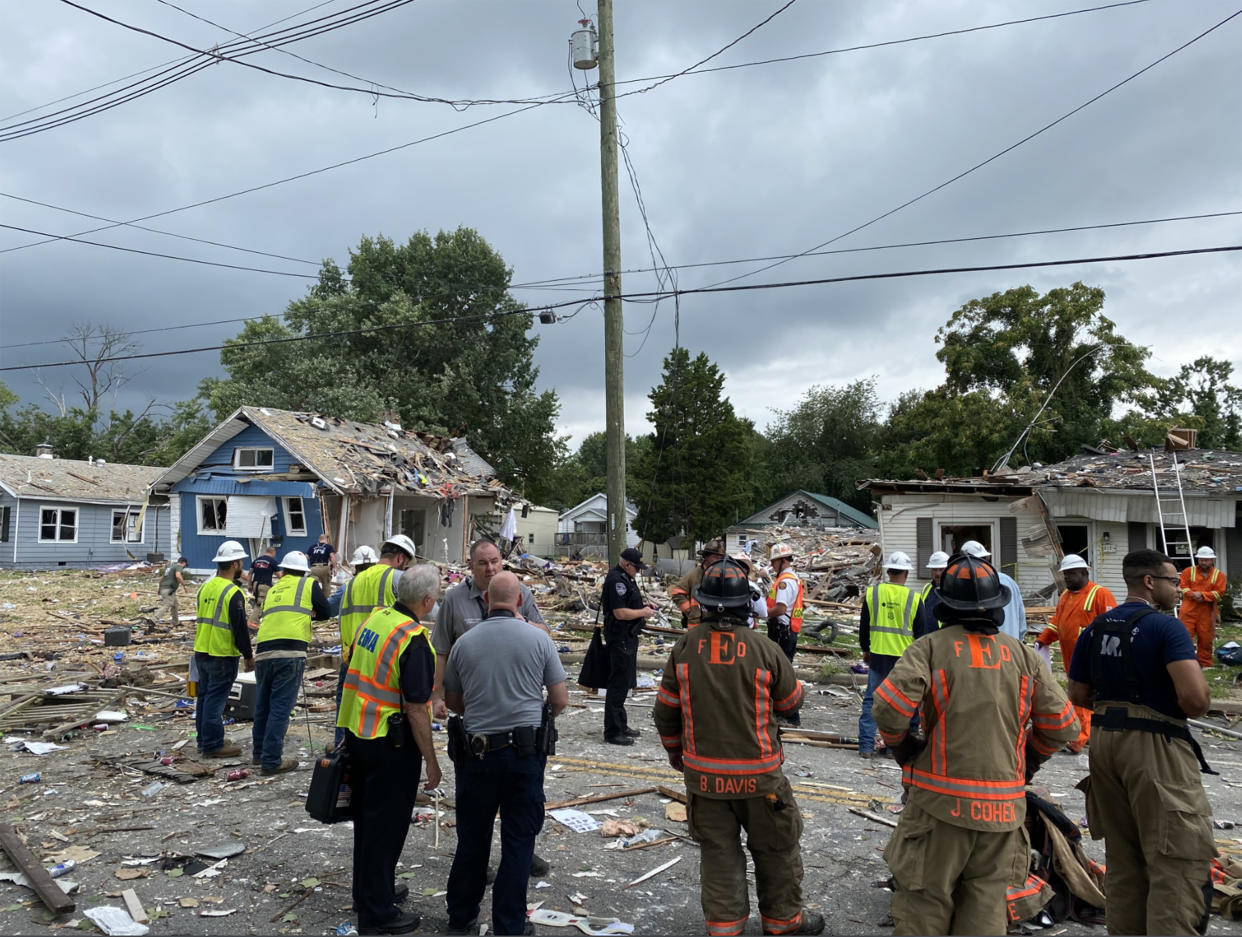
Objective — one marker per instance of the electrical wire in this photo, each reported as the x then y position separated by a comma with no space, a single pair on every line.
701,290
993,157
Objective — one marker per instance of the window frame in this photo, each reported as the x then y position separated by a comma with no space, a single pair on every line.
198,514
6,519
58,523
133,525
291,530
254,450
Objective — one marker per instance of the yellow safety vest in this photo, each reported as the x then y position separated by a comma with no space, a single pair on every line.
287,610
369,590
890,613
213,634
372,689
795,613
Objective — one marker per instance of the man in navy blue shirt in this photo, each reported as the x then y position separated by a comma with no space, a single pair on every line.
261,570
1136,667
322,557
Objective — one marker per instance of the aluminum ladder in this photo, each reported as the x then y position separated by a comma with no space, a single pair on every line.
1171,509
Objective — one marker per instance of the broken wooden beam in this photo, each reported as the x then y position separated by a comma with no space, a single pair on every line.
598,798
134,906
43,884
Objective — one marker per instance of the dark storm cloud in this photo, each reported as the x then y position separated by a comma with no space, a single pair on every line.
732,164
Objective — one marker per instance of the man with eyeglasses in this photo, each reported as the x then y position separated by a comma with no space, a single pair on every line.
1135,666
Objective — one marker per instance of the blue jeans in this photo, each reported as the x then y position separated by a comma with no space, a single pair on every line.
215,680
501,781
881,666
278,682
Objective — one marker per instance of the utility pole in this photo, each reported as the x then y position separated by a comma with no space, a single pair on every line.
614,335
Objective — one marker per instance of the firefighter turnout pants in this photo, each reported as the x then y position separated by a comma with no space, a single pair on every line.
1145,798
949,879
773,828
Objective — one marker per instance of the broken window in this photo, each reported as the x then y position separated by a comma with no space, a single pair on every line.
212,515
127,526
4,523
295,517
58,525
952,536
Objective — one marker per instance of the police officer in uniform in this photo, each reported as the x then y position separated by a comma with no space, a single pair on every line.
624,614
384,712
715,711
1136,667
495,680
961,840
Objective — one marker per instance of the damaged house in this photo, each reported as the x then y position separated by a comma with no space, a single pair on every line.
798,509
266,476
66,512
1101,505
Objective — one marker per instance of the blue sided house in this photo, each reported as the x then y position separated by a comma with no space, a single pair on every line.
65,512
278,477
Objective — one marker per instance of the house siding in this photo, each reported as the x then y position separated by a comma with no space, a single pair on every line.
93,545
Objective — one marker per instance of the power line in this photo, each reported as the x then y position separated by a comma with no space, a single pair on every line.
695,70
648,295
990,159
135,250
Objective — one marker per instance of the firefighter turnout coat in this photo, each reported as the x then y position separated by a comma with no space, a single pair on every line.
723,686
976,694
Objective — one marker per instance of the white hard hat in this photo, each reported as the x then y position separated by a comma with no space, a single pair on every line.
976,549
403,543
938,560
744,560
899,560
780,551
1205,553
295,560
229,550
363,554
1073,561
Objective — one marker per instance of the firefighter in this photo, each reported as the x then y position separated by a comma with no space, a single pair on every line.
714,712
1077,607
682,594
961,839
1137,668
1202,586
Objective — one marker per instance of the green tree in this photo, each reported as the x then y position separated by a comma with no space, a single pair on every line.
1054,361
1201,396
695,477
826,443
937,429
448,351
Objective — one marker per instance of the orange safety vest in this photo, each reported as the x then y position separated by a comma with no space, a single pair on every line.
795,613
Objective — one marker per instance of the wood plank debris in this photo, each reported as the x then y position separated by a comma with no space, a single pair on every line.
43,884
598,798
656,871
134,906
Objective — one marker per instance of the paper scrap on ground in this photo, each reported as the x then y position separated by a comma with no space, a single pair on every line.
110,715
40,748
561,919
17,878
116,922
576,820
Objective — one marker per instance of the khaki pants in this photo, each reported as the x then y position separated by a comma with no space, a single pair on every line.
1145,799
323,573
260,596
168,606
949,879
772,837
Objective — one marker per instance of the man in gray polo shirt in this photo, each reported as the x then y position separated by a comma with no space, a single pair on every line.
463,607
495,679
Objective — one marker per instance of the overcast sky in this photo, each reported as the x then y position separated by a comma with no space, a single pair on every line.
759,161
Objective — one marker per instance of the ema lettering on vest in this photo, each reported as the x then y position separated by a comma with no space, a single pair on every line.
368,639
1110,645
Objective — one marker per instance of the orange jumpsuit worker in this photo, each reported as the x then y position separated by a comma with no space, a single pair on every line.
1202,586
1077,607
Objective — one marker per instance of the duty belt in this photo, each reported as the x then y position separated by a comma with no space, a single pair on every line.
480,745
1117,719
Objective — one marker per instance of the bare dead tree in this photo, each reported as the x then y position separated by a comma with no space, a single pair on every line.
94,346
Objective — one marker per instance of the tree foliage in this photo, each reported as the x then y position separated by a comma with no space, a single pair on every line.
446,350
826,443
1024,350
695,477
1202,396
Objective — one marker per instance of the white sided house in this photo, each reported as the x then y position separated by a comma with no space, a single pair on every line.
1099,505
